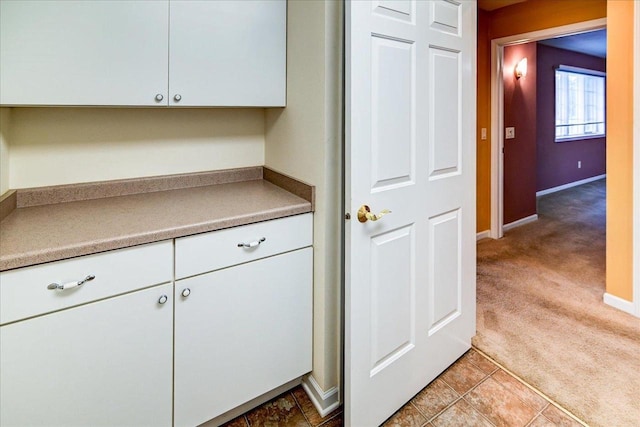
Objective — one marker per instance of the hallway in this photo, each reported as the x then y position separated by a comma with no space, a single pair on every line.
540,310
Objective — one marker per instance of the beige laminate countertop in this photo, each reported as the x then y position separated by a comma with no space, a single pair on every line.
38,234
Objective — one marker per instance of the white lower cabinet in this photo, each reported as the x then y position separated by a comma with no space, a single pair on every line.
239,333
111,339
106,363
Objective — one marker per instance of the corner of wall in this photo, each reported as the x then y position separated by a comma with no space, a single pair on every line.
303,141
5,124
324,401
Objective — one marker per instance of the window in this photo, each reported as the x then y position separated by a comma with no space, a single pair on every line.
580,103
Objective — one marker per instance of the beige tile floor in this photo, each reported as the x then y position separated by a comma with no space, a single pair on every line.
474,391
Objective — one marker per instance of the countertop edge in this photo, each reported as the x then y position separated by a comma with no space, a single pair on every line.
121,242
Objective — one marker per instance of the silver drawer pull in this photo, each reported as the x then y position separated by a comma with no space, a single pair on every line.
70,285
252,244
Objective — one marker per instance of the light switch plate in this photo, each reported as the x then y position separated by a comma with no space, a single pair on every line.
509,133
483,133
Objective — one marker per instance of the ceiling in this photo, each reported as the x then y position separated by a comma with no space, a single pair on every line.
591,43
496,4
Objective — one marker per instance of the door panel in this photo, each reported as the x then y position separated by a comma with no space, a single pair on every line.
410,148
444,268
392,136
398,9
446,17
444,111
392,296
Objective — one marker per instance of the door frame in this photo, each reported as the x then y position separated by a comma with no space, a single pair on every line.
636,165
497,112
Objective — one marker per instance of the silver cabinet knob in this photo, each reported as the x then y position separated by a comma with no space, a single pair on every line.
159,97
177,97
163,299
186,292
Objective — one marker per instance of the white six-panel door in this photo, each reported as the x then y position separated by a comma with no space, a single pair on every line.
410,136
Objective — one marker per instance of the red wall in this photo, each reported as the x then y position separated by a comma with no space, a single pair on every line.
558,162
520,153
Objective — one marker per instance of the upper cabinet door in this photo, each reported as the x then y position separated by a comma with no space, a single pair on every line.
227,53
79,52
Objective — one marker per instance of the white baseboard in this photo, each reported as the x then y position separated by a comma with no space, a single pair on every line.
520,222
619,303
324,401
569,185
482,235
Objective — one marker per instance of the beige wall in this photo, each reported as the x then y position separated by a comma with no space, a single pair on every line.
5,116
50,146
304,140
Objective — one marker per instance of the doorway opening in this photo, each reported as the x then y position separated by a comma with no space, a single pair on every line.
497,108
554,118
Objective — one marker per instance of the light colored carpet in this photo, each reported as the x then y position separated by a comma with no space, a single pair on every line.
541,315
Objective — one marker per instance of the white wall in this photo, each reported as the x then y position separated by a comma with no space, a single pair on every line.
304,140
5,115
50,146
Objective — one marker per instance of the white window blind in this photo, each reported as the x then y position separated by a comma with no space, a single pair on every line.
580,103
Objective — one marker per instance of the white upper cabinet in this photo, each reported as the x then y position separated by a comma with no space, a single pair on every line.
83,52
143,53
229,53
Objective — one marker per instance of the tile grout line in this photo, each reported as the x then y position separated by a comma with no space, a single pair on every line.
300,408
497,368
460,397
443,409
518,397
535,390
539,414
471,404
329,419
480,412
337,411
430,419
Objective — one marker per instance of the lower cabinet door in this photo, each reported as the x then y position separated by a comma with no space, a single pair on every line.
107,363
241,332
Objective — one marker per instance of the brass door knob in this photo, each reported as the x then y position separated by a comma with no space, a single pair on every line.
364,214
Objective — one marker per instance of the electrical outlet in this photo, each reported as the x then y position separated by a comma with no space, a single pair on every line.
510,133
579,164
483,133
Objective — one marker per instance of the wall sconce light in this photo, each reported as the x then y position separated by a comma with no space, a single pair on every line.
521,68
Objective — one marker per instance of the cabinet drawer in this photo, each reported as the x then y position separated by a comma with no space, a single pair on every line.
24,292
218,249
